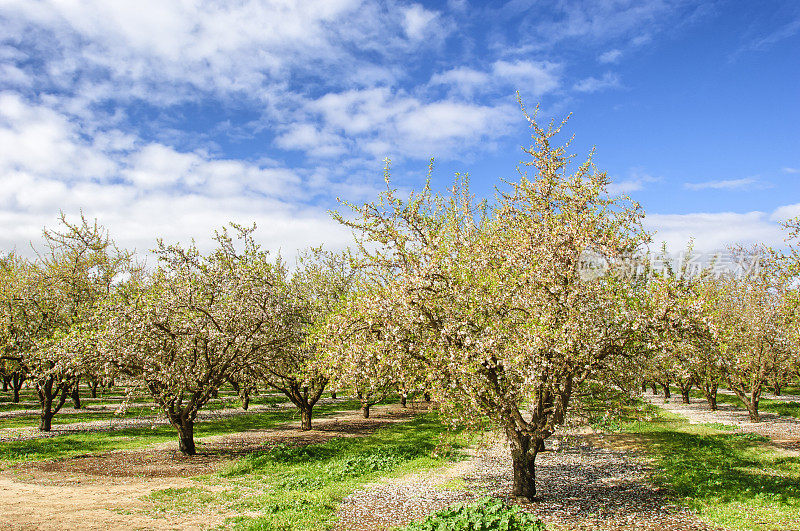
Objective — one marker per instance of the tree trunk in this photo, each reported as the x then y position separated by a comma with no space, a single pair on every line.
305,417
365,410
46,417
186,437
93,387
426,396
667,394
685,394
16,385
710,392
333,395
246,399
6,381
776,389
403,400
644,386
751,403
46,396
655,389
76,395
752,411
46,420
523,462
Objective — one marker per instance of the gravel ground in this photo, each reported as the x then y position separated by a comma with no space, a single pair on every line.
783,431
581,487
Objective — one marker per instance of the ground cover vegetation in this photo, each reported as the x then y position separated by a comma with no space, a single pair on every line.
300,487
735,479
512,313
484,514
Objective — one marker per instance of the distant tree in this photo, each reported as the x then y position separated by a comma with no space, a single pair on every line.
752,321
684,330
49,304
296,367
196,320
361,362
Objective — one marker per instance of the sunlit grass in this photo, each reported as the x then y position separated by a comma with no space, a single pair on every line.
765,405
72,444
299,488
737,480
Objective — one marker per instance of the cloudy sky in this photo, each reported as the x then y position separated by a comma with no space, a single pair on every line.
171,117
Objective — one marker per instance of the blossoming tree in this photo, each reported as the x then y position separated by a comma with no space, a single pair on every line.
492,301
49,305
195,321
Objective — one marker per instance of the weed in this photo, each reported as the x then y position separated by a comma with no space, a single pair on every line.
486,514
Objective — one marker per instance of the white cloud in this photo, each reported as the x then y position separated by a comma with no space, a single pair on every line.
729,184
243,47
307,137
529,77
370,117
713,231
36,139
463,80
594,84
634,183
603,20
536,77
790,170
611,56
144,190
416,20
785,213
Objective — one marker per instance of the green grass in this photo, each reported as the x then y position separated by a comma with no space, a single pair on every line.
737,480
300,487
70,445
765,405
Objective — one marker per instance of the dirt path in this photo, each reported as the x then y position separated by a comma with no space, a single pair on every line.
783,431
582,487
87,503
105,491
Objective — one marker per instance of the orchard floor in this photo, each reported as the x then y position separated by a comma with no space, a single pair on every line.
105,491
784,432
589,482
588,485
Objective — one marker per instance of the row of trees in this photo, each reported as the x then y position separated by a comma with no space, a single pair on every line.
490,308
86,310
741,332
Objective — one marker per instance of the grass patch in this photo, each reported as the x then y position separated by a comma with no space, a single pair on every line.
719,426
72,444
736,480
765,405
300,487
27,421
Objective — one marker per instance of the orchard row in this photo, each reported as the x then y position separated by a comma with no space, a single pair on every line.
487,307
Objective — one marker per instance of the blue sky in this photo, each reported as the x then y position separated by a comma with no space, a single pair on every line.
170,118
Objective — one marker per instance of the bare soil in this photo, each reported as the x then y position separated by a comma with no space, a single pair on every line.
105,491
